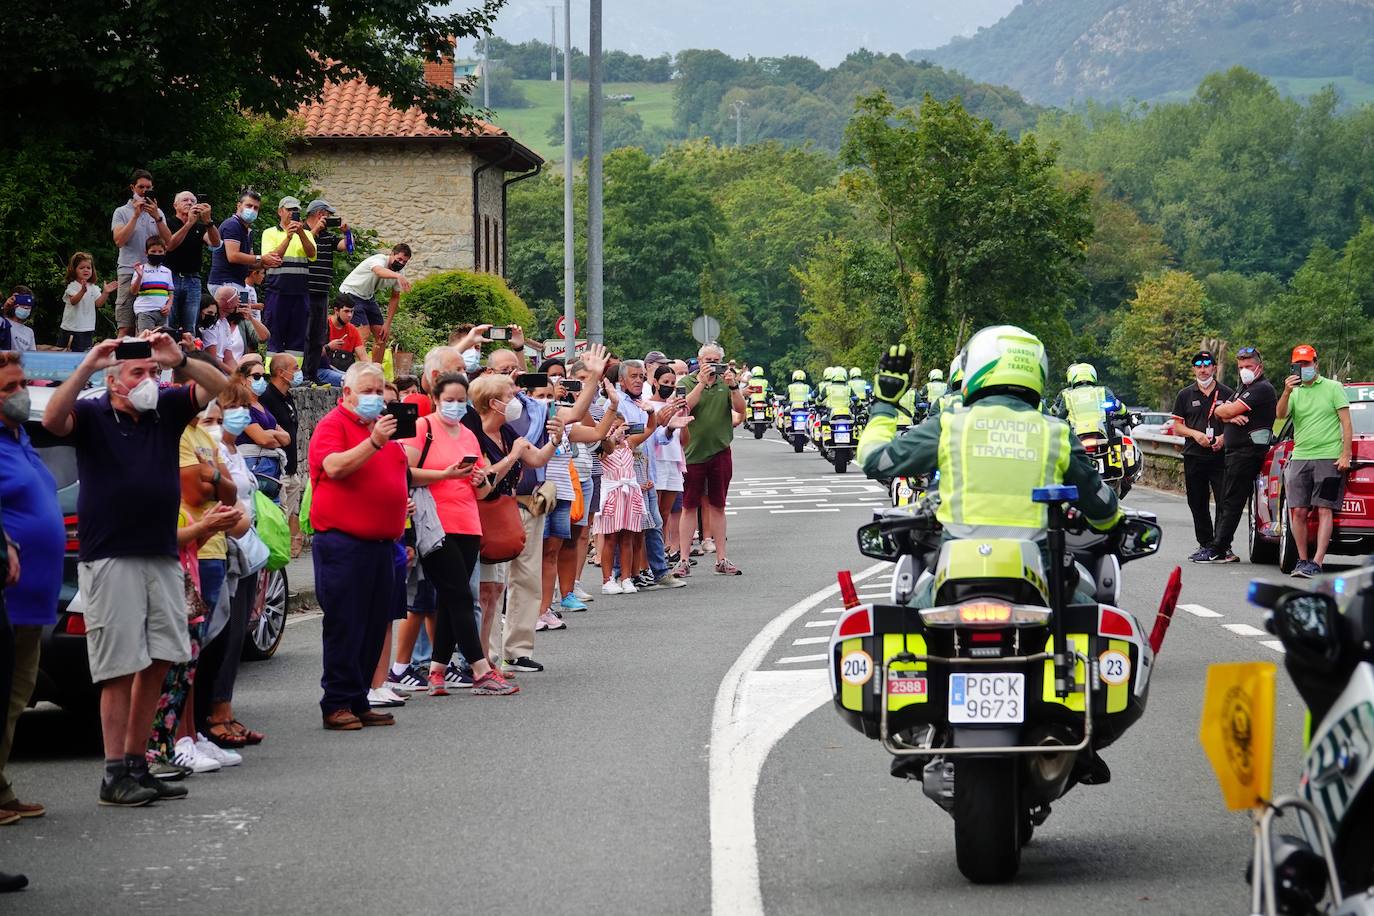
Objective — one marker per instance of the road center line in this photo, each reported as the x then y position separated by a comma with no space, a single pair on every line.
753,710
1198,610
811,641
1243,629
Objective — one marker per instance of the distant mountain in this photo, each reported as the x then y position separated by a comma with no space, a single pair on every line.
1061,51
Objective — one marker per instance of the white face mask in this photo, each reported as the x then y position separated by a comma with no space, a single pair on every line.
514,410
143,396
1247,376
213,430
1205,383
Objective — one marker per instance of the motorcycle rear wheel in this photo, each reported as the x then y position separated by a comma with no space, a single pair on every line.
758,431
841,463
987,818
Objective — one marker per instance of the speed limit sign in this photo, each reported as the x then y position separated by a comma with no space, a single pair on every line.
561,329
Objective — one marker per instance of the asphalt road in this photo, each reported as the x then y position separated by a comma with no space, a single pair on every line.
588,792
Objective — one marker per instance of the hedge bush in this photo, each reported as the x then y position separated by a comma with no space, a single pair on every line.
446,300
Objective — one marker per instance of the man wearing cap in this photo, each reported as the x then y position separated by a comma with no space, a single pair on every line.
1248,420
288,284
318,216
652,360
1204,466
1322,437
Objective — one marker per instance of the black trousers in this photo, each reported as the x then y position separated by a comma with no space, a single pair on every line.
1203,479
449,568
316,334
6,647
353,583
1242,466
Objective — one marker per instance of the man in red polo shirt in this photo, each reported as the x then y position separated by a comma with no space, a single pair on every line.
358,510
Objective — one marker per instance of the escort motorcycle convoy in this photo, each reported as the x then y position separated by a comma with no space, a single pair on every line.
999,696
1117,457
1314,852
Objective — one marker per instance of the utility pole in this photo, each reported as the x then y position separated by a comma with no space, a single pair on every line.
569,227
553,44
739,106
595,331
486,83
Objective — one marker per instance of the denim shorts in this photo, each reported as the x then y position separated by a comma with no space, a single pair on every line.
558,520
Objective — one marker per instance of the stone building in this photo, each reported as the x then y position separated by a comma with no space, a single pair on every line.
388,170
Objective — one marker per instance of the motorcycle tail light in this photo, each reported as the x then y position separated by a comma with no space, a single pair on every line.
985,614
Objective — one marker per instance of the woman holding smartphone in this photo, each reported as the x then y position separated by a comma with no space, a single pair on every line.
446,457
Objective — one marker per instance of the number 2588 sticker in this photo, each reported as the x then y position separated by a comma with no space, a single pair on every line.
856,668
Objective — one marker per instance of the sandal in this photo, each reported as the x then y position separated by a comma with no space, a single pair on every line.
246,733
222,734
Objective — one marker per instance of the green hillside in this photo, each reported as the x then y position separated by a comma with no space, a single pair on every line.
653,103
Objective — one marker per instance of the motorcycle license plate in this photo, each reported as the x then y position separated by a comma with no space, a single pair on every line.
842,438
758,415
980,698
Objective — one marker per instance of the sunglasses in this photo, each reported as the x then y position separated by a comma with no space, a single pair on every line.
1202,362
255,375
1247,352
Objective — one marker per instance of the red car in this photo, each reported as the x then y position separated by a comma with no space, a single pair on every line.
1270,539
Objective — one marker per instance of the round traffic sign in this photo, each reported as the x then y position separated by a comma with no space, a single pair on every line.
705,329
561,329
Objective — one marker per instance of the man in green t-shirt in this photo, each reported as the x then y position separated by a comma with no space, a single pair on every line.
1321,454
713,394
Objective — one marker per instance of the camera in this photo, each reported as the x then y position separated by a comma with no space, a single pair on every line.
133,348
294,215
333,222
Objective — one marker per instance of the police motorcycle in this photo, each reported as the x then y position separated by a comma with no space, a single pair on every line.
1118,458
839,441
1314,851
757,410
998,697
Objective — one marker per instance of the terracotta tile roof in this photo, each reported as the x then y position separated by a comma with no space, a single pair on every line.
356,110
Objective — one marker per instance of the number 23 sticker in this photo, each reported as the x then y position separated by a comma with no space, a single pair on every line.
856,668
1113,667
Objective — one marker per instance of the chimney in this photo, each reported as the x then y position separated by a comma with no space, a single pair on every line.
441,74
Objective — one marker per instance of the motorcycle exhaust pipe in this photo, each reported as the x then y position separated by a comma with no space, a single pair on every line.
1167,603
1049,772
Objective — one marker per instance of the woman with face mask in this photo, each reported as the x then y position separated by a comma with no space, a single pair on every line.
261,441
446,457
669,461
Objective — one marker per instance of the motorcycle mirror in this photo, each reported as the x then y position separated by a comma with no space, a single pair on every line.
873,542
1308,625
1140,539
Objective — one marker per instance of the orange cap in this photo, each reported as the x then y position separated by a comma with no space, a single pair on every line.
1304,354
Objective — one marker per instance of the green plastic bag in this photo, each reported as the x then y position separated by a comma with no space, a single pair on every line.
303,516
272,528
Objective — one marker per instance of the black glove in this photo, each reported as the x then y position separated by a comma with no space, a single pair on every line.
894,374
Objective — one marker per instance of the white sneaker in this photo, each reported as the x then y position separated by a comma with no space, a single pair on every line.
380,698
580,593
709,545
185,754
611,587
212,750
628,587
398,697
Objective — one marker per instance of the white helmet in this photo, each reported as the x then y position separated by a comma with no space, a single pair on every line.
1005,357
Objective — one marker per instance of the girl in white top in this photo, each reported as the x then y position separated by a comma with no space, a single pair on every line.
84,294
669,461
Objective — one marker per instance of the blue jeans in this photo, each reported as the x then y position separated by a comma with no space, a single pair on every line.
186,303
329,376
653,537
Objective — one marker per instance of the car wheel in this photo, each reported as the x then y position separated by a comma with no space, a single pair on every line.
1288,548
1262,552
267,620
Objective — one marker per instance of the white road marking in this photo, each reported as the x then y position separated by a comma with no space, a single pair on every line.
1198,610
811,641
829,610
798,511
1243,629
824,623
753,710
1274,644
802,659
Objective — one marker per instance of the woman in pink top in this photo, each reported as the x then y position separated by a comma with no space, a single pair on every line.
445,457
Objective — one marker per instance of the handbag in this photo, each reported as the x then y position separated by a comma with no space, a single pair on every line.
272,528
429,531
503,530
196,608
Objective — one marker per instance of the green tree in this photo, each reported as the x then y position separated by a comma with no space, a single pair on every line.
1162,327
981,217
853,305
621,126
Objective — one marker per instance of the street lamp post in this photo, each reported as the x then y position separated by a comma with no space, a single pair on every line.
595,332
569,229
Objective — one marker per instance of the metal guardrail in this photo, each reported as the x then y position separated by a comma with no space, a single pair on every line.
1163,459
1155,444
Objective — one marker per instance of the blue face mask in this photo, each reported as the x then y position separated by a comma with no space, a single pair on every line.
23,313
298,379
370,406
259,385
236,420
1308,373
472,360
249,214
453,411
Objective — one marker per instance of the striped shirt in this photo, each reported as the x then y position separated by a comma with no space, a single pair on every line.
155,291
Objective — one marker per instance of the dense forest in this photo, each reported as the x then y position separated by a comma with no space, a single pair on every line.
1125,234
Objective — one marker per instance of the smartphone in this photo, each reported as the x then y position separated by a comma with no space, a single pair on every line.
468,461
23,298
572,385
243,297
680,391
406,415
498,334
295,215
1295,369
636,429
201,199
333,222
531,380
133,348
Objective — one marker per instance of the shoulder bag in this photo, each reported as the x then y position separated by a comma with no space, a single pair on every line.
429,531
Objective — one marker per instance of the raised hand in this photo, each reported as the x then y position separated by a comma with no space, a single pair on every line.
894,374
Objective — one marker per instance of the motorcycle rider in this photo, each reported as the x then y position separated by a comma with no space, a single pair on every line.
836,397
935,386
993,451
798,392
954,395
859,385
1082,403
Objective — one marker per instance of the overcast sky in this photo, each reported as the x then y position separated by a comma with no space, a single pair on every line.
824,30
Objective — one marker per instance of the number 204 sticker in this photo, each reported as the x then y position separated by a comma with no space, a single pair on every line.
856,668
1113,667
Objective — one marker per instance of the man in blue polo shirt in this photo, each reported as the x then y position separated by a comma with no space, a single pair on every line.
127,445
234,260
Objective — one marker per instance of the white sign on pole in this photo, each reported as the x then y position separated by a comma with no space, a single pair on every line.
705,329
556,349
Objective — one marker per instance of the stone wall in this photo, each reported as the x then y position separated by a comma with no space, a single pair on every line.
418,192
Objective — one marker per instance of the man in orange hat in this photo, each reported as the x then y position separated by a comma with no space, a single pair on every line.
1315,475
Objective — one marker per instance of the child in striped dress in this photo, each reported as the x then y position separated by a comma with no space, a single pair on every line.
622,510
